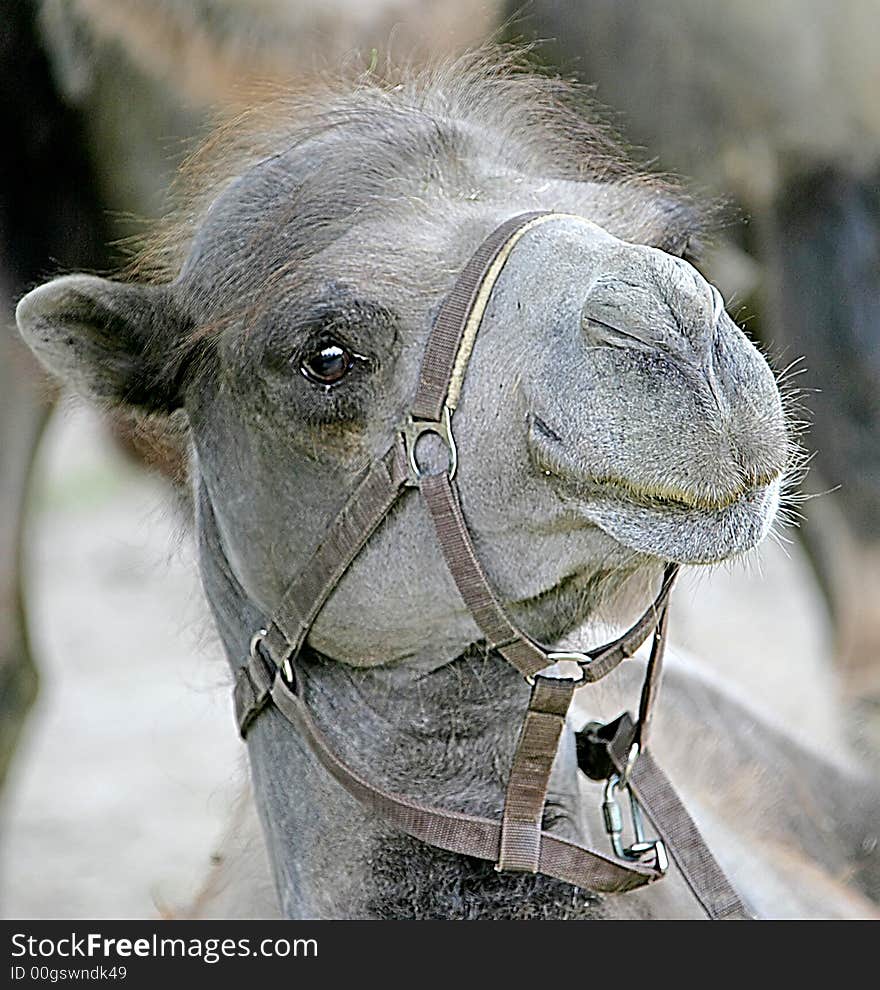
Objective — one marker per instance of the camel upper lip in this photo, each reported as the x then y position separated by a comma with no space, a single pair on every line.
552,459
675,498
669,523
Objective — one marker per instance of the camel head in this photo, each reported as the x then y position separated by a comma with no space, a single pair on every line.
613,417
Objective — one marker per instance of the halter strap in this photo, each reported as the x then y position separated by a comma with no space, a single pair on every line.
468,835
518,842
346,536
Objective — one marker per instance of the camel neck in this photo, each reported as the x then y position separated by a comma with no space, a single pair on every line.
443,734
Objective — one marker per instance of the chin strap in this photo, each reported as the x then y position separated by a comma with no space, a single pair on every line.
518,841
469,835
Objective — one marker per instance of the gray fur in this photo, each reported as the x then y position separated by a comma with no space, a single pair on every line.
613,417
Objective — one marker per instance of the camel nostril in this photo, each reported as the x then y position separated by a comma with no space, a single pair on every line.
615,334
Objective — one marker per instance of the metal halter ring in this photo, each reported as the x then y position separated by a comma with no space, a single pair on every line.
555,669
256,639
417,428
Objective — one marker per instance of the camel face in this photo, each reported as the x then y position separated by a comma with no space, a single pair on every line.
612,415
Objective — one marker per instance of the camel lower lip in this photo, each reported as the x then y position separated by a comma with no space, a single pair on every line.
684,534
668,528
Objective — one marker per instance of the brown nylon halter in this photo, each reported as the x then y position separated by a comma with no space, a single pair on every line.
518,841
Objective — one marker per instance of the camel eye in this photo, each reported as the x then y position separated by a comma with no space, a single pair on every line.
327,366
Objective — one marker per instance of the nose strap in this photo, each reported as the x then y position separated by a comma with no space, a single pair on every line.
456,325
473,586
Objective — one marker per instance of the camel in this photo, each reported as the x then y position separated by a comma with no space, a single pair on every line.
613,419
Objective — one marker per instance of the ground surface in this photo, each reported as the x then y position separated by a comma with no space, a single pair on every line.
130,761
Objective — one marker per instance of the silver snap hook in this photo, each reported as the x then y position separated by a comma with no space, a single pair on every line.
641,848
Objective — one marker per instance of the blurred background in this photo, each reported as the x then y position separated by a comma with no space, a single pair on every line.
120,769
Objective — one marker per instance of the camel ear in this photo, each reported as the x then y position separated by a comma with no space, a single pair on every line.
112,341
678,227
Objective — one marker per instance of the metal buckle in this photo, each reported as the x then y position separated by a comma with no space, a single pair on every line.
415,429
256,639
639,850
556,670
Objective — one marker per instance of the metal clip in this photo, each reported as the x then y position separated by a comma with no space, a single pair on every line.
415,429
631,758
639,850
